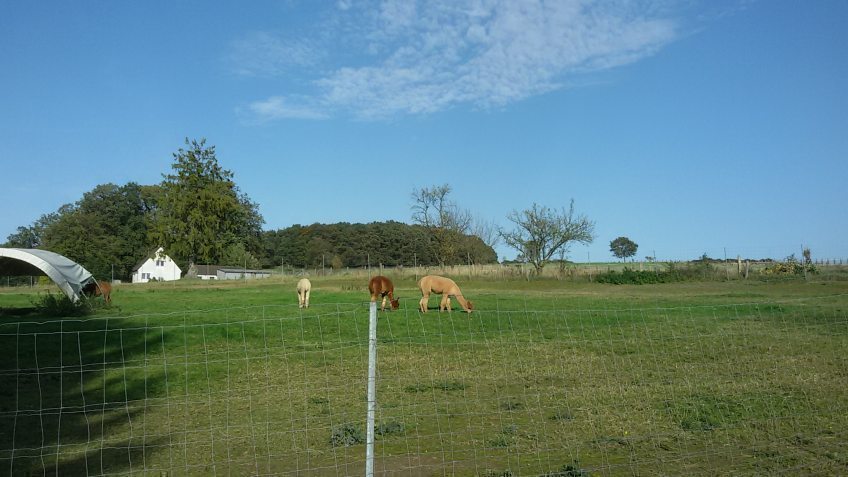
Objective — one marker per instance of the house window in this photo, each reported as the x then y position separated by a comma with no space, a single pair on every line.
145,276
160,263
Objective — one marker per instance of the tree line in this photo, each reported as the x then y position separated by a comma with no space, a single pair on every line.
389,243
199,215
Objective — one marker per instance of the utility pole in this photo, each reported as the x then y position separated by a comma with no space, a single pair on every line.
803,264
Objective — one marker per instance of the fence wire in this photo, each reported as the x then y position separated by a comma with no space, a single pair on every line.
743,389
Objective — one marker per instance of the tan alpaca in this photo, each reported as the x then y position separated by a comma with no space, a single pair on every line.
304,286
441,286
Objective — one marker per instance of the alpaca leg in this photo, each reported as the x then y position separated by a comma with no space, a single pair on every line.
306,299
383,304
445,304
299,299
422,304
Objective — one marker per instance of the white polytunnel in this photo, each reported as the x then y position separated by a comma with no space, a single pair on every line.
68,275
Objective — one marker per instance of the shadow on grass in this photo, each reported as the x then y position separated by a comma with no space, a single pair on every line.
74,395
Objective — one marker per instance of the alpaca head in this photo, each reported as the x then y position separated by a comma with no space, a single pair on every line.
395,303
469,305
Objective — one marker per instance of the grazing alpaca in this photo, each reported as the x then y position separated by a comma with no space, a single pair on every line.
95,289
441,286
381,286
304,286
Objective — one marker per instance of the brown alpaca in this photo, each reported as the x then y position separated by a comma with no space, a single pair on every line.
381,286
441,286
96,288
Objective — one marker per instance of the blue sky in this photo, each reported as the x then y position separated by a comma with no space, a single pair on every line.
688,126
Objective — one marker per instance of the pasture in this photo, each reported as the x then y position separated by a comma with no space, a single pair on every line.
546,377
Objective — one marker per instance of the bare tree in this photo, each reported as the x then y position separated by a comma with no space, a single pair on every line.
432,208
541,232
487,230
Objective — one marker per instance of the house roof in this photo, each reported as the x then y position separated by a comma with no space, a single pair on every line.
214,269
241,270
68,275
151,255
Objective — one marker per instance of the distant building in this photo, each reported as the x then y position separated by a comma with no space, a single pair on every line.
156,266
233,273
203,272
222,272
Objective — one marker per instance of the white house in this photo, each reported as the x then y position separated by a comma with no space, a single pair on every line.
156,265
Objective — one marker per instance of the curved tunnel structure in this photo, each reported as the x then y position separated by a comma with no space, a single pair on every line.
67,274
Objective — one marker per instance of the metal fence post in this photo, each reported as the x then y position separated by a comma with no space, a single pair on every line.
372,389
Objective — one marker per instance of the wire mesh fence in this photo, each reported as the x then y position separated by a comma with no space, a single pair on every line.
518,389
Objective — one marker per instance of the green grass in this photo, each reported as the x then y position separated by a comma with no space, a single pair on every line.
232,378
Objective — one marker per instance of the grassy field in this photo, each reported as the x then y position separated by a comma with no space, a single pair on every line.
547,377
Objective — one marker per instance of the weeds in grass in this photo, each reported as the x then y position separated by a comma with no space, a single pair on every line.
346,435
564,415
568,470
450,386
500,440
705,413
506,437
390,428
418,388
441,386
496,473
57,306
512,405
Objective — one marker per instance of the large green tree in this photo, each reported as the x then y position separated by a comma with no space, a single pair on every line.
201,211
32,236
623,247
540,232
105,231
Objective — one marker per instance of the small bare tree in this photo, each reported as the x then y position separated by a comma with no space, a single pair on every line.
487,230
432,209
541,232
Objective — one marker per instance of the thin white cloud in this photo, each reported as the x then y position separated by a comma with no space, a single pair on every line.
277,107
265,54
390,57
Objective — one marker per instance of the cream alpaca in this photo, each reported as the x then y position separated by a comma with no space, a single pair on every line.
304,286
441,286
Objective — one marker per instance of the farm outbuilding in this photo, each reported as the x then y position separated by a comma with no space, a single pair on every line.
70,276
233,273
204,272
223,272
